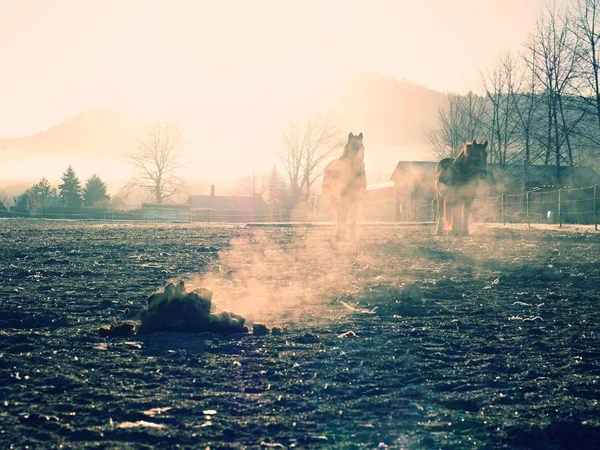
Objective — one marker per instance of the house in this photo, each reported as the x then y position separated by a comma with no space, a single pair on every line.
159,212
379,203
227,208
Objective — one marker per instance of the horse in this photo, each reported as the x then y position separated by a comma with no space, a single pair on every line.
345,185
456,183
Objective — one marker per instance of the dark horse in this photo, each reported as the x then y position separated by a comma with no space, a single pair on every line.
456,182
345,185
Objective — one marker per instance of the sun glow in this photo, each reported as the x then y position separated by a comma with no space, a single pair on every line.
232,73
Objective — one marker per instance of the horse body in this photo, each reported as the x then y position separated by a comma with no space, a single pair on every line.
345,185
456,183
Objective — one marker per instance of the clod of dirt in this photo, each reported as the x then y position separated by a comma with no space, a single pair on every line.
276,331
410,301
348,334
553,274
271,445
259,329
175,309
120,330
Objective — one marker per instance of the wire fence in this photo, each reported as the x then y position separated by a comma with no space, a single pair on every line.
559,206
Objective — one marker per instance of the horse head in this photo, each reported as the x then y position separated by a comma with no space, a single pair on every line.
355,149
476,157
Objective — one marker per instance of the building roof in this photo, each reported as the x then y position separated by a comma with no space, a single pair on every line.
374,187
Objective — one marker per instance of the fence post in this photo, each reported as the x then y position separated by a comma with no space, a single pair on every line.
560,208
528,219
596,207
503,211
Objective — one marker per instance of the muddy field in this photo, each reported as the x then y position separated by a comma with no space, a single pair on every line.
408,341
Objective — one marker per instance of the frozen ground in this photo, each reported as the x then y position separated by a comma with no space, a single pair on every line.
489,341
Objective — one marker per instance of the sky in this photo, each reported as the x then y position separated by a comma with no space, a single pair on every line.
232,72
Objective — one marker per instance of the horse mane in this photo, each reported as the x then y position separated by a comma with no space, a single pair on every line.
346,152
462,153
462,160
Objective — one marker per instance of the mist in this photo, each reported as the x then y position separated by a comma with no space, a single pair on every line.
265,277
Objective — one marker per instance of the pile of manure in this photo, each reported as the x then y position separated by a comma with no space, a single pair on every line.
175,309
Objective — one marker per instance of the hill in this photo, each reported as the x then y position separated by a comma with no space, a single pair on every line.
91,135
391,113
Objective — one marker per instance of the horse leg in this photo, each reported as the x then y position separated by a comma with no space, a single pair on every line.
440,215
342,216
465,218
456,218
353,216
448,215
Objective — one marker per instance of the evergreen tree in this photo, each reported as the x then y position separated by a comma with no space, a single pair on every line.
94,192
276,191
70,189
24,202
40,193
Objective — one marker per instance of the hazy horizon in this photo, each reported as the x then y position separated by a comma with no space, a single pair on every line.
233,73
176,60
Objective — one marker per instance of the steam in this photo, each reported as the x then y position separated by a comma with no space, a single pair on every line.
274,275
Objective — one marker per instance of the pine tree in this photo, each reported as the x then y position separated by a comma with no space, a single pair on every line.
276,190
25,201
40,193
70,189
94,192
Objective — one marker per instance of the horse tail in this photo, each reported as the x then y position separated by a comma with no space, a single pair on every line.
447,215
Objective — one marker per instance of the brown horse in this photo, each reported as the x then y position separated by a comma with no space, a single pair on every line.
456,182
345,185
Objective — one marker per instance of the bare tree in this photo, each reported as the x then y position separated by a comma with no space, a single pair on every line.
447,139
553,56
158,157
307,145
586,26
499,87
379,176
459,120
252,185
526,104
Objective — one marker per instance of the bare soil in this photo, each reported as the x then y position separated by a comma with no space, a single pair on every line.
407,341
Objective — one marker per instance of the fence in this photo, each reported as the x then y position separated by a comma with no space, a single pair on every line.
560,206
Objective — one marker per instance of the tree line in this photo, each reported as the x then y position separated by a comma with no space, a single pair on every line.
305,146
70,193
540,106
